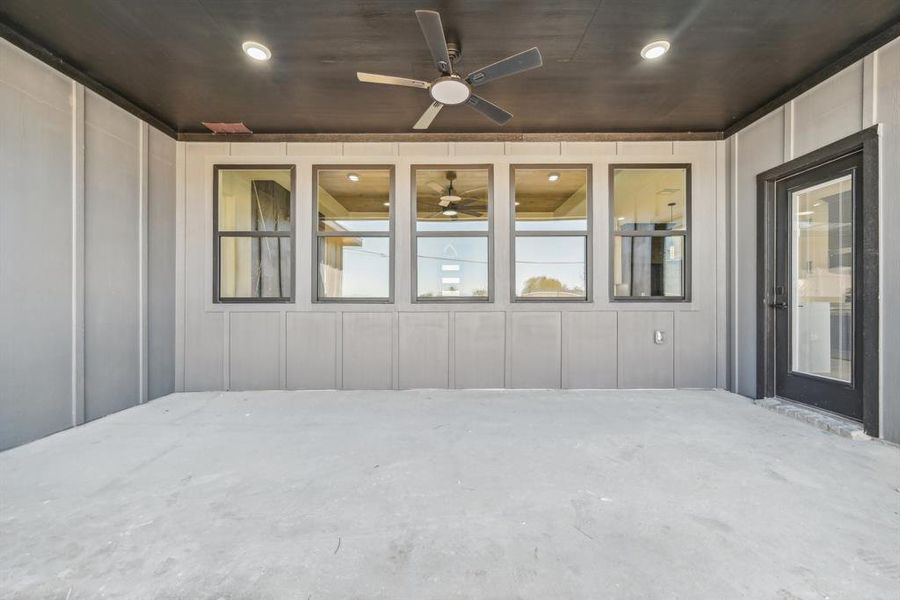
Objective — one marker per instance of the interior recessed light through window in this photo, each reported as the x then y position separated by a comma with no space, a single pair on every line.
256,51
655,49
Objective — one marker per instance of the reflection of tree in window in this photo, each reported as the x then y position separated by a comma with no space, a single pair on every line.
551,230
549,286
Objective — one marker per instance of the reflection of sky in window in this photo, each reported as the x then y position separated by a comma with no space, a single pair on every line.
551,225
357,224
366,269
560,258
448,225
441,261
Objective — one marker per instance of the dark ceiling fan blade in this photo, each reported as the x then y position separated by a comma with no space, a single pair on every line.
391,80
477,189
523,61
491,111
471,213
469,203
428,116
433,30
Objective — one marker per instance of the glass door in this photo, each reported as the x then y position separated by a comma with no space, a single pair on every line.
817,347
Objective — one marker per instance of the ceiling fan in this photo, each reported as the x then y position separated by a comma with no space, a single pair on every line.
451,201
450,88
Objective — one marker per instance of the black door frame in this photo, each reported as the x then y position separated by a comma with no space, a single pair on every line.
866,142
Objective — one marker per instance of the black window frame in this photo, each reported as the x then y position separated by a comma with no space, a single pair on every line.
317,298
686,233
415,234
587,234
218,235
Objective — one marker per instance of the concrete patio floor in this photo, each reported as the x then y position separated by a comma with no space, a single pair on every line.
450,494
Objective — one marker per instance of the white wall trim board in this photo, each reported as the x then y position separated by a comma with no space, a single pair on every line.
735,262
180,157
143,263
282,345
721,301
226,352
870,86
883,395
77,253
788,131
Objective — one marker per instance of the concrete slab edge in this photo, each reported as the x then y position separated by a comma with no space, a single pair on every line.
824,421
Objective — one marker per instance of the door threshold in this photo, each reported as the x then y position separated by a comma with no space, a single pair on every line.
825,421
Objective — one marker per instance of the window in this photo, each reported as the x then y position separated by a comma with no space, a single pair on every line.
253,245
452,233
650,220
551,232
353,222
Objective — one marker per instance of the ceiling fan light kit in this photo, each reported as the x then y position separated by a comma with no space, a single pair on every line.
451,89
451,202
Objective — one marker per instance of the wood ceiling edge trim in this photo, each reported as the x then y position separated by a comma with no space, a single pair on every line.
846,59
455,137
47,57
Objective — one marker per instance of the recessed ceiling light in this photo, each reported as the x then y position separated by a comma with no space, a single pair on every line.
449,212
256,51
620,218
553,177
655,49
353,177
386,203
518,203
804,213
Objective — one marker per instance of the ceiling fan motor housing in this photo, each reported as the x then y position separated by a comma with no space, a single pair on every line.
454,50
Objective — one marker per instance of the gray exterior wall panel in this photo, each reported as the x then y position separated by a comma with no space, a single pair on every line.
35,249
111,258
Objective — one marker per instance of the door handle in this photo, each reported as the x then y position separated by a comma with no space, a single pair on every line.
779,305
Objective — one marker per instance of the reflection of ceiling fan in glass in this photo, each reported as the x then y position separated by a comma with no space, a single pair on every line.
452,202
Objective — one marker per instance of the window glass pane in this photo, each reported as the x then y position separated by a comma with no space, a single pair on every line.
551,199
452,267
551,267
354,267
648,266
254,267
822,279
354,200
649,199
452,200
254,200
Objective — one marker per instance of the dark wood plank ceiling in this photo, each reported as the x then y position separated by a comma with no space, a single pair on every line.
181,60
